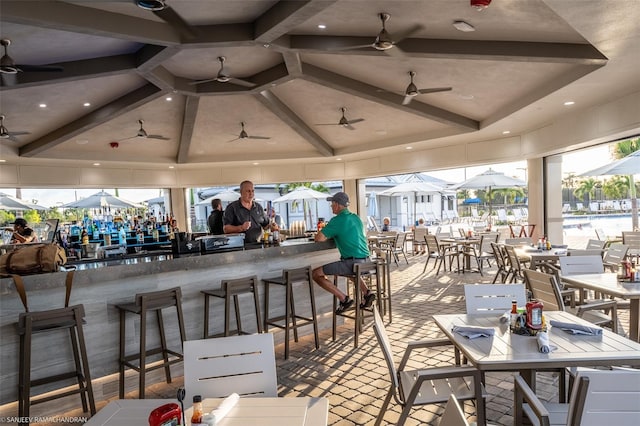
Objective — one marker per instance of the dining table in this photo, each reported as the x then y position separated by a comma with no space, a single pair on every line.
507,351
465,247
608,283
300,411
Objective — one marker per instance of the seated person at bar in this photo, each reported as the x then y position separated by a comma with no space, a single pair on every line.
347,230
216,227
22,233
245,215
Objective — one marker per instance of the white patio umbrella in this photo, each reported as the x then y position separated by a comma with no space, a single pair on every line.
101,199
225,196
8,202
490,180
414,189
303,193
629,166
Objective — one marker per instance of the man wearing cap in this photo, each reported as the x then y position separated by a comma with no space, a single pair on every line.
347,231
21,232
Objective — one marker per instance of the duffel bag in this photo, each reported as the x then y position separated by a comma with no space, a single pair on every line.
30,259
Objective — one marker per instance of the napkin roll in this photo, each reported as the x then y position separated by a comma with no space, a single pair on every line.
543,342
218,414
577,328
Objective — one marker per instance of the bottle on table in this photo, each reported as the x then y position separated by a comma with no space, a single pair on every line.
197,409
514,315
85,236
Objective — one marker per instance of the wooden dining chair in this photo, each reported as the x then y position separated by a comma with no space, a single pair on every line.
600,397
411,388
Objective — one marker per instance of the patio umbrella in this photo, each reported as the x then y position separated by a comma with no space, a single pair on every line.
303,193
100,200
7,202
629,165
414,189
490,180
225,196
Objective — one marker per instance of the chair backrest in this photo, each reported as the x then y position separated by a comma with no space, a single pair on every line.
453,414
502,215
462,232
514,260
543,287
572,265
612,397
493,298
631,239
419,232
433,245
385,346
400,240
600,234
518,241
590,252
595,245
486,240
615,254
499,255
216,368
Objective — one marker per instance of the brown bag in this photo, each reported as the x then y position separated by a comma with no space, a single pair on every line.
33,259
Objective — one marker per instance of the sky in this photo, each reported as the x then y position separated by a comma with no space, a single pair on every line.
577,162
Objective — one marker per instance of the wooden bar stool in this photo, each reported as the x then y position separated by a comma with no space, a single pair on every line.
231,289
371,273
154,301
291,320
31,323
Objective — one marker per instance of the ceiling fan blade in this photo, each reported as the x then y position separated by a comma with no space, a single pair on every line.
395,52
202,81
39,68
128,139
398,37
258,137
434,90
354,47
233,140
19,133
12,138
159,137
407,100
356,120
241,82
349,126
328,124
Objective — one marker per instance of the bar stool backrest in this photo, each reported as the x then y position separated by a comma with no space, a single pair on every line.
216,368
159,299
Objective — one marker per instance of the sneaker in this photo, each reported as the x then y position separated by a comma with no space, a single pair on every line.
368,300
344,305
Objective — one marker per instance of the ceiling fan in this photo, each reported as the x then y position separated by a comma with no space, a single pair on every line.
347,124
161,9
8,65
412,90
244,135
384,41
142,133
223,77
6,134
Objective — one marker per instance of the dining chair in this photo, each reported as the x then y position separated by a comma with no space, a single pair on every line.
520,241
413,388
493,298
515,265
440,252
482,252
419,245
216,368
398,247
502,262
599,397
573,265
544,287
595,245
614,256
632,239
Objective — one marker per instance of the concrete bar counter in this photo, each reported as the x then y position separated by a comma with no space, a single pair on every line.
101,285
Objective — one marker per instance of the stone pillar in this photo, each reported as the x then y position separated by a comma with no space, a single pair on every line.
553,198
179,208
535,195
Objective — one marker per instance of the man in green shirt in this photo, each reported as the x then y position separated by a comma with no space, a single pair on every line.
347,232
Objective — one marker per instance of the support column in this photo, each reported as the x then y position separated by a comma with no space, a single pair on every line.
179,208
553,198
535,194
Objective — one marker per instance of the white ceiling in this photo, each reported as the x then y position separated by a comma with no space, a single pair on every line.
514,72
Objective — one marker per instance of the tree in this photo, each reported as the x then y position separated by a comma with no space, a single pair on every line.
617,187
621,150
586,189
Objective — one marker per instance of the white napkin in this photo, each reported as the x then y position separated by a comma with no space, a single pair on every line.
543,343
506,317
473,332
576,328
218,414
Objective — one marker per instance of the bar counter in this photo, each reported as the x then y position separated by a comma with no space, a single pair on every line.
101,284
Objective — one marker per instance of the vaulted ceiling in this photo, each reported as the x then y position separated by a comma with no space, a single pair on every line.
290,79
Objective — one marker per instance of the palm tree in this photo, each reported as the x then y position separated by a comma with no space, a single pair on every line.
616,187
586,189
621,150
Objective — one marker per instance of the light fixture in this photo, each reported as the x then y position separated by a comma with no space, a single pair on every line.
168,99
463,26
255,164
408,148
569,103
87,104
7,65
96,164
322,26
506,132
338,159
42,105
152,5
171,167
82,141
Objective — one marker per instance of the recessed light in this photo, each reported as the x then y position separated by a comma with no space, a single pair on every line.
152,5
42,105
463,26
255,164
87,104
96,164
506,132
168,99
3,160
267,45
466,97
82,141
338,159
569,103
409,147
322,26
171,167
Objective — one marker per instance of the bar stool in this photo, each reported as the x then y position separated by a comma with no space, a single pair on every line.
383,297
30,323
154,301
291,320
231,289
370,273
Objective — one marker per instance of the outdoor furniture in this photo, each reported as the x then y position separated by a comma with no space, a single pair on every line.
515,266
513,352
290,319
600,397
301,410
398,247
411,388
219,367
419,245
502,261
614,256
573,265
453,415
543,287
440,252
632,240
518,241
595,245
493,298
